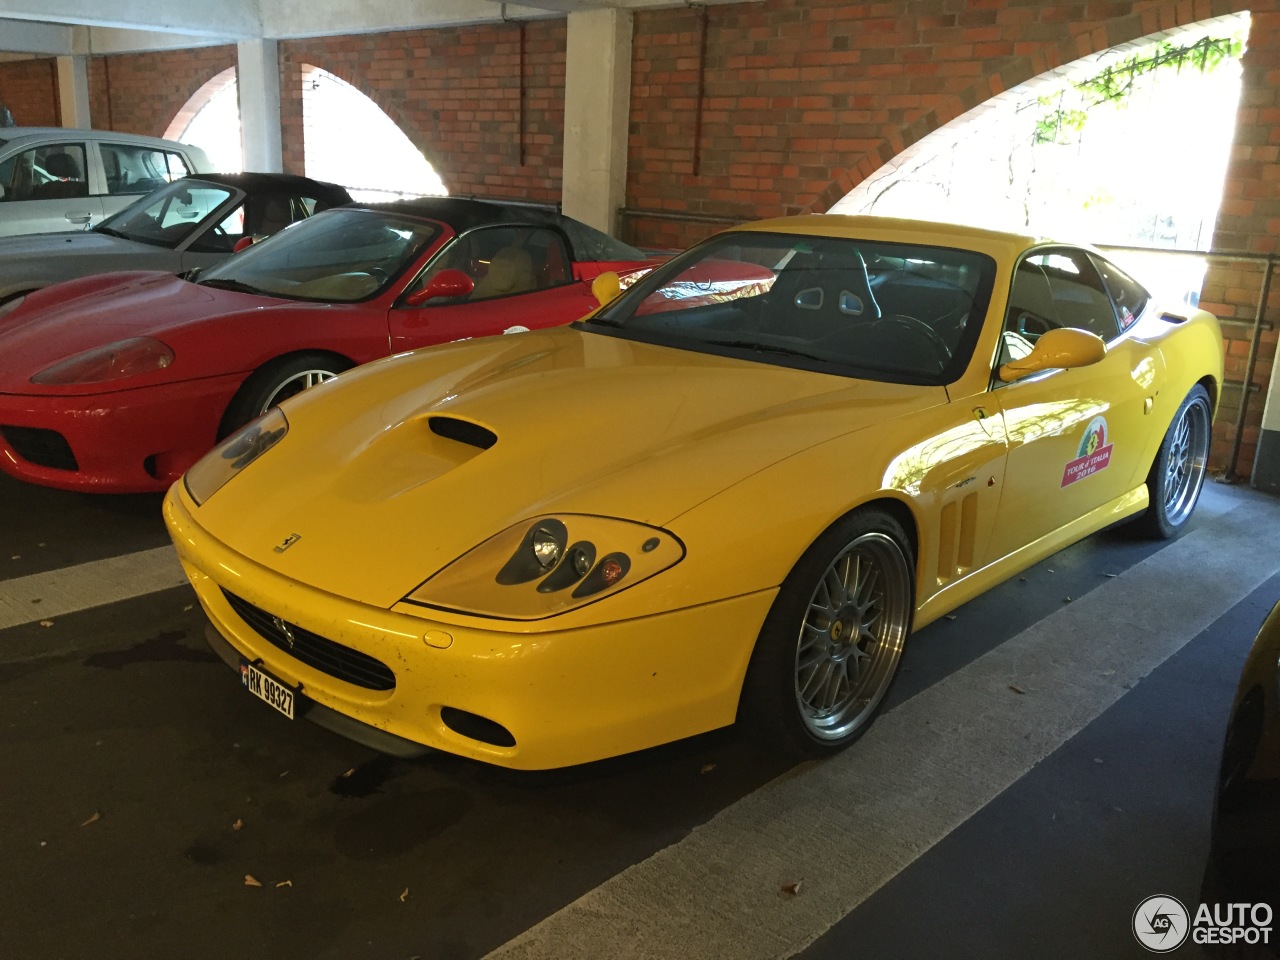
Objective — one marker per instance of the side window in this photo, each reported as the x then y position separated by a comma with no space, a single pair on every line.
1079,297
222,238
503,261
1129,296
1031,311
133,169
53,172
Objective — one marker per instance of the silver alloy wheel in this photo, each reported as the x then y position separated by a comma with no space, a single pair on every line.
1185,462
852,637
293,385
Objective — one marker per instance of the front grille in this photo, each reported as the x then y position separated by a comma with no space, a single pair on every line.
314,650
44,448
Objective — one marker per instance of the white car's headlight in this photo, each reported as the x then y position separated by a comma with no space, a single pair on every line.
548,565
234,454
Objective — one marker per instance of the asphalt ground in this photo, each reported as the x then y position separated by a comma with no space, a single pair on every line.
142,786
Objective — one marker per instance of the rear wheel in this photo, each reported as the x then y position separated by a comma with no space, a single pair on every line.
830,647
276,382
1178,473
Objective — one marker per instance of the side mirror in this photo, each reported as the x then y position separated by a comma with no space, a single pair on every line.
1061,348
446,283
245,241
606,287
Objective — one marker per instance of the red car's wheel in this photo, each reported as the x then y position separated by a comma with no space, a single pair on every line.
278,381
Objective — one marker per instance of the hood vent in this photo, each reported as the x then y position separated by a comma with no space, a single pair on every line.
464,431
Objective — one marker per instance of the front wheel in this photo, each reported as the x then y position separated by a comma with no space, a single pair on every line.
276,382
831,644
1177,475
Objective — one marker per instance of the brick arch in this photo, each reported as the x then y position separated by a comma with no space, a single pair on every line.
125,95
461,95
293,71
197,102
1147,23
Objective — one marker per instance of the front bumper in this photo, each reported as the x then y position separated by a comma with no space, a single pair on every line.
564,696
129,441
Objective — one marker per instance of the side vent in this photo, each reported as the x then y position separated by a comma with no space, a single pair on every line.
1172,318
464,431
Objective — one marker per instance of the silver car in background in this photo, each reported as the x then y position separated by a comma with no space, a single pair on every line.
56,179
190,223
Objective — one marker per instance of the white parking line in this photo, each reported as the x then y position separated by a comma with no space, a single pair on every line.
843,828
43,596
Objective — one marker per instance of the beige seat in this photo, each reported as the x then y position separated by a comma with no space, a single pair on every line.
510,271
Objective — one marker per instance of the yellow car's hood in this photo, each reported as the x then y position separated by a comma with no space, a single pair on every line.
584,423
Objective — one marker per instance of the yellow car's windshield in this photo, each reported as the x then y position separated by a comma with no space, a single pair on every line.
883,311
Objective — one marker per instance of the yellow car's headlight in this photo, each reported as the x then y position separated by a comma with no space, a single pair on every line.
548,565
234,454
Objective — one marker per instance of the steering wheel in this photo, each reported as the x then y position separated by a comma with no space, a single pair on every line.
942,352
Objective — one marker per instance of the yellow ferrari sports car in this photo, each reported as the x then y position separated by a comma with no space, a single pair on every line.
729,494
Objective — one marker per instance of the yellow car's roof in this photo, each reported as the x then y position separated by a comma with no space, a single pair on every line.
917,232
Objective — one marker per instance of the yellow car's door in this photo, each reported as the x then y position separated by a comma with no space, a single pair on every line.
1076,437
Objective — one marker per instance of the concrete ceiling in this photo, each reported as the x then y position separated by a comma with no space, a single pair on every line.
66,27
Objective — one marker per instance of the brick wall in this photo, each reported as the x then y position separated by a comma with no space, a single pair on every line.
142,92
457,94
1249,221
802,102
30,90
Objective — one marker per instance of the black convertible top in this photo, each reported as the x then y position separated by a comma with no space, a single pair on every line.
329,194
463,214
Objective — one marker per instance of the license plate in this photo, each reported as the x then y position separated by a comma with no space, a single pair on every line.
267,688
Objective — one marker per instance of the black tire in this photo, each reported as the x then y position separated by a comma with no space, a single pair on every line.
276,382
1177,475
811,687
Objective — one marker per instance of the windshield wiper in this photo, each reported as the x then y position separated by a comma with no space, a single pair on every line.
766,348
110,232
227,284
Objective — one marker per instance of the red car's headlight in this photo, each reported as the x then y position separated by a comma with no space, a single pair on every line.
115,361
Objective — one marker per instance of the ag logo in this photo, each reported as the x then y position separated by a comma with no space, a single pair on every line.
288,542
1161,923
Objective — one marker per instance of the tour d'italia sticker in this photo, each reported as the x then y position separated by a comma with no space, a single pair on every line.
1093,454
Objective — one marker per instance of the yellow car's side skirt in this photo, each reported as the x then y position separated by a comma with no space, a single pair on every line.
979,581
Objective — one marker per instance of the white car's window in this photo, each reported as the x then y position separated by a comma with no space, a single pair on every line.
50,172
887,311
133,169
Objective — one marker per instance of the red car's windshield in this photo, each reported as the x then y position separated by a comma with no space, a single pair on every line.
338,256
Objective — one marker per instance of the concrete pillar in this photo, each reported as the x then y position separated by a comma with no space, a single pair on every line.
73,91
597,108
258,77
1266,462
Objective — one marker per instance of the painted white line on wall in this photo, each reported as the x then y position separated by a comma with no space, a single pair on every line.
845,827
87,585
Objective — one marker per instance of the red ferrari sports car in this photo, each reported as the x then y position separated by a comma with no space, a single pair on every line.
119,383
